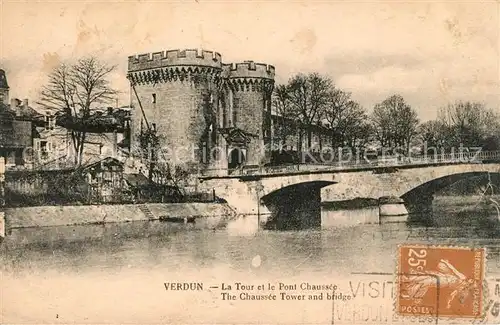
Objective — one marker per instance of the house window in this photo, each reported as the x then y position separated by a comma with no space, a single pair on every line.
153,98
43,147
36,144
49,122
19,157
107,176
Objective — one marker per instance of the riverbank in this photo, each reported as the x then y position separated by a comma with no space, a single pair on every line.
203,215
462,203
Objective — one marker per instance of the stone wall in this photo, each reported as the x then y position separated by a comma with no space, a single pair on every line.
182,95
245,195
15,133
49,216
176,114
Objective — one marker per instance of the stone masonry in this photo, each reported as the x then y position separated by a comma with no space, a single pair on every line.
200,108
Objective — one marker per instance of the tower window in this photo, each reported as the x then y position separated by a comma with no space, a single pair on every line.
235,109
153,125
234,116
153,98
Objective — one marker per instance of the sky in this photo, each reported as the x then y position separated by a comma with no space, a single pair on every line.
432,53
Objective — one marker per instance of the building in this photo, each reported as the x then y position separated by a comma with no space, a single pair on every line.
105,180
32,140
290,134
18,122
98,182
4,89
205,113
53,146
15,137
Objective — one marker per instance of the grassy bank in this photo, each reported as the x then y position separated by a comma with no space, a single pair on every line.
463,203
462,200
472,202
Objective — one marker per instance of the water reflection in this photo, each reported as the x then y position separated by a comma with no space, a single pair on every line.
150,244
134,259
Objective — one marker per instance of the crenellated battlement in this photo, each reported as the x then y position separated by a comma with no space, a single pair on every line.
187,95
188,57
249,69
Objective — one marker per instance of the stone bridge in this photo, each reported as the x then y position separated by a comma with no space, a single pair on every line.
301,192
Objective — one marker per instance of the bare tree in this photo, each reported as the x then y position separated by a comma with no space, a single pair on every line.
309,95
407,122
382,126
352,126
335,114
395,122
469,122
285,113
434,134
73,92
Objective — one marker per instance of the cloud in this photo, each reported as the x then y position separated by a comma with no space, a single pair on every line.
429,52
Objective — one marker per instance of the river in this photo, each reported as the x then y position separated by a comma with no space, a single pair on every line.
117,273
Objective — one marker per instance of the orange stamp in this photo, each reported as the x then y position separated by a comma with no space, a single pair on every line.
440,281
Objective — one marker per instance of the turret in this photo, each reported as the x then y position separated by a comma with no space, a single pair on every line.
251,85
4,88
187,59
176,90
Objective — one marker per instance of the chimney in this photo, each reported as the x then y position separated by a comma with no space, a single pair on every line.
14,106
114,144
25,103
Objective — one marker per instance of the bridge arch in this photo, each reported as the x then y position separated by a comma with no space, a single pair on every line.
419,198
437,184
251,193
296,206
273,185
301,188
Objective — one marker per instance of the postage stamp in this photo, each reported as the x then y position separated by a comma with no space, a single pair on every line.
440,281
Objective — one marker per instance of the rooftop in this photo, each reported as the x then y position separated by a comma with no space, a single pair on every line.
101,121
3,80
24,113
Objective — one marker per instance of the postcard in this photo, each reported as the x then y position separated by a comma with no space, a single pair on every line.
249,162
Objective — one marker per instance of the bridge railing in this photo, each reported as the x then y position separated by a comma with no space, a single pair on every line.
360,162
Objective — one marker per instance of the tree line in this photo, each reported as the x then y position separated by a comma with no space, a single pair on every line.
311,101
307,101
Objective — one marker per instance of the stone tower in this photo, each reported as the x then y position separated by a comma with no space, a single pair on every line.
4,88
203,111
178,91
249,88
